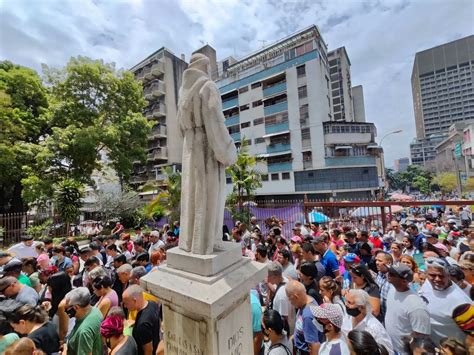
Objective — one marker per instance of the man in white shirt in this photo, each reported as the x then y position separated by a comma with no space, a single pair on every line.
155,242
442,296
25,249
406,313
396,232
279,301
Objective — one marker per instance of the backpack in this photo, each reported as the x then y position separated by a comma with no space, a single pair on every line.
279,345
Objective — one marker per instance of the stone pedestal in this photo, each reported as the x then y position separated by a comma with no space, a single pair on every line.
205,298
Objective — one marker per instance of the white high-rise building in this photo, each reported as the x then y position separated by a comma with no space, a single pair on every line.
279,98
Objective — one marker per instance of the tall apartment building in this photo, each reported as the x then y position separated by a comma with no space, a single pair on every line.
443,92
401,164
279,98
341,87
161,75
358,103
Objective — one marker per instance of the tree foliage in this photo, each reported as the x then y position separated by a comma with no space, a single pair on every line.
447,182
58,131
168,199
245,180
68,194
413,177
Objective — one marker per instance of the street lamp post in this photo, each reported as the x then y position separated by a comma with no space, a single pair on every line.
383,158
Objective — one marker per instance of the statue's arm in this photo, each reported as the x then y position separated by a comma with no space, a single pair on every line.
218,136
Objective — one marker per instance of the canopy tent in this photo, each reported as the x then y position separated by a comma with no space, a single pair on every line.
317,217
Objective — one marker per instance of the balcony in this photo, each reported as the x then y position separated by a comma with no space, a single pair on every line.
158,154
231,121
275,128
350,161
277,148
277,167
159,110
139,76
158,132
230,103
274,89
158,69
235,136
279,107
156,89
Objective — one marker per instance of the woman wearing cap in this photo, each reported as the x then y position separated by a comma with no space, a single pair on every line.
273,328
362,279
111,330
329,317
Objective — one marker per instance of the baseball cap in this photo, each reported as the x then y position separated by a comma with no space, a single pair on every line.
331,312
296,239
319,240
351,258
441,246
451,221
432,235
13,265
402,271
154,234
26,237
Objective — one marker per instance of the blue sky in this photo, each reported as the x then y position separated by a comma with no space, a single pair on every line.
381,38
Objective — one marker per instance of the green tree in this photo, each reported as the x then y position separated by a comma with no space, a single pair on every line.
413,174
95,115
23,121
447,182
245,180
68,194
168,197
422,184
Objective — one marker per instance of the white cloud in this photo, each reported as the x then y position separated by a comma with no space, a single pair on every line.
381,38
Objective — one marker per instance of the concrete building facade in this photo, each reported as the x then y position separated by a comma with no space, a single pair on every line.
161,75
279,98
401,164
341,86
443,89
358,103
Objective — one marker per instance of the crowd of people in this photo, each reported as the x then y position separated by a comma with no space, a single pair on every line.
329,290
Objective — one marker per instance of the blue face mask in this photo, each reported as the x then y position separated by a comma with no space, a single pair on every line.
374,234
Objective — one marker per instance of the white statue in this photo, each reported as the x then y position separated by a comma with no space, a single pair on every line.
208,149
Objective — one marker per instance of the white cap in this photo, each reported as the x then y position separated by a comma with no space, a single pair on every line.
155,234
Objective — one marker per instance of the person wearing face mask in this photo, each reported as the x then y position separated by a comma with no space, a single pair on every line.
442,296
85,336
111,330
329,319
359,317
406,312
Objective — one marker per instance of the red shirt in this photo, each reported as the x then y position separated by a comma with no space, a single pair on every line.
377,242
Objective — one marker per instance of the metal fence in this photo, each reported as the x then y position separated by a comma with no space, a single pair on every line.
16,224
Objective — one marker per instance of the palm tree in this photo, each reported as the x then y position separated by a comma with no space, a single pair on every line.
245,179
169,195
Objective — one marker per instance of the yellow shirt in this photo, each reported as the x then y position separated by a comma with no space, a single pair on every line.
132,315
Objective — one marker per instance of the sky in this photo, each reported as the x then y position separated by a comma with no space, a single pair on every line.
381,38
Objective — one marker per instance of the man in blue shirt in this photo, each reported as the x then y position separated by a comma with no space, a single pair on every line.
307,339
420,238
328,259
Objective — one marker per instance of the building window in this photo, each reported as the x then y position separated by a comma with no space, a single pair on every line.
301,71
275,177
245,125
264,177
302,92
276,119
243,89
234,129
285,176
256,85
259,140
258,121
244,107
228,180
257,103
305,133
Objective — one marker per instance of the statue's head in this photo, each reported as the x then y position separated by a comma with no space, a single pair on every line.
199,61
